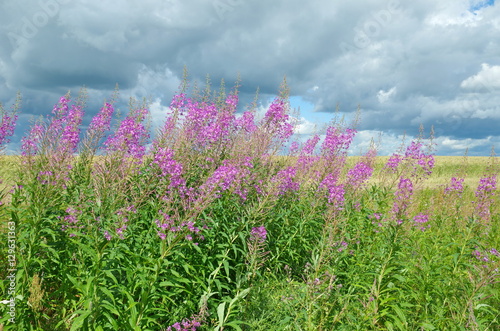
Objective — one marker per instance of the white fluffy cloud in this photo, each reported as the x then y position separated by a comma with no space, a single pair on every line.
488,79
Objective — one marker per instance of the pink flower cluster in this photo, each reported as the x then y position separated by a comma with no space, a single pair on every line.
206,124
489,256
306,158
258,234
185,325
335,192
7,126
130,136
358,175
310,145
402,199
425,161
61,135
31,142
484,196
71,132
164,158
393,162
420,220
417,164
72,221
285,181
277,120
99,124
337,142
167,224
456,186
229,176
246,122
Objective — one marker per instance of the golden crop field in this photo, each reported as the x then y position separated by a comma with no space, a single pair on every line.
471,168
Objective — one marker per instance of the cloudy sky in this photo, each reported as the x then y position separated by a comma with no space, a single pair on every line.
405,63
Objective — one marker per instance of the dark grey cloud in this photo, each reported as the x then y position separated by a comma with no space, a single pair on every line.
404,63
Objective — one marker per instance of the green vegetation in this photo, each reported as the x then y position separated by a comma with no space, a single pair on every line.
210,230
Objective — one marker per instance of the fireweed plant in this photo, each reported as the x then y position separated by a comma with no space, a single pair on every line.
221,220
8,118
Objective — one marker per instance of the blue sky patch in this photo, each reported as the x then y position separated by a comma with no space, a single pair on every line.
478,5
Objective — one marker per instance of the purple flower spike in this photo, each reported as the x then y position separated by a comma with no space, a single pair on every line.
7,126
259,234
484,195
357,176
402,198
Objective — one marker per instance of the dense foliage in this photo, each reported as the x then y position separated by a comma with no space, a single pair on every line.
224,221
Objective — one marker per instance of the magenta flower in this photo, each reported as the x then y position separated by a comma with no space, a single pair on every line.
294,148
358,175
402,199
310,145
285,181
232,101
101,122
258,234
186,325
72,220
59,137
71,132
456,185
229,176
7,126
167,225
130,137
276,120
306,159
179,102
490,256
31,142
335,192
246,122
206,125
164,158
415,163
420,220
99,125
484,197
393,162
425,161
337,142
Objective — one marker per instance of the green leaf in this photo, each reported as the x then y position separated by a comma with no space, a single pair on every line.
481,305
235,324
80,320
428,326
220,313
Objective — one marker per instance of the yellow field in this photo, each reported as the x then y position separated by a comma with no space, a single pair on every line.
472,168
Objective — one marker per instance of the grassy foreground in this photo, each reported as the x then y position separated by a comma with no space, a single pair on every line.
210,230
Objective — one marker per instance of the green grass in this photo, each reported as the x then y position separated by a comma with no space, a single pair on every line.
318,269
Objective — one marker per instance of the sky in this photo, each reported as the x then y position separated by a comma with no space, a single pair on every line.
404,64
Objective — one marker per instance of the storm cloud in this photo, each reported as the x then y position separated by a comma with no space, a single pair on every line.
404,63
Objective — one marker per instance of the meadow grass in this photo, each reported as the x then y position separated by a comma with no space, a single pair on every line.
472,167
213,229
